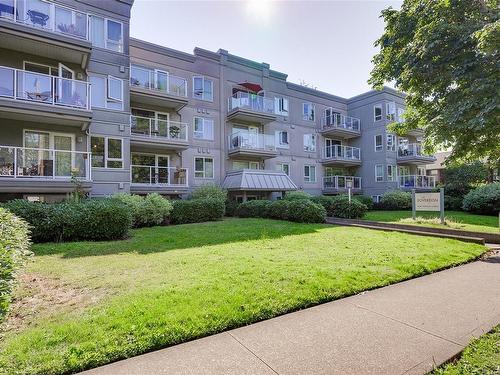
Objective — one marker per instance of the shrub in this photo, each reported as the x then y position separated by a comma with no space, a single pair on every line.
483,200
136,205
197,210
343,209
305,211
231,206
209,191
255,208
396,200
326,202
146,211
14,250
366,200
279,209
453,203
297,195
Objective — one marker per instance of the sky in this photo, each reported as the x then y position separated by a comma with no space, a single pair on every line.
327,44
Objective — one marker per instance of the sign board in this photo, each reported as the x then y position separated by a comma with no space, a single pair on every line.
428,202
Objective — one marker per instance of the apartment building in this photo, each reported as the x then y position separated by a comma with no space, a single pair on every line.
82,101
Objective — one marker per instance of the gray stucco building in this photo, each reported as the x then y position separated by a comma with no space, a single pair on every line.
79,97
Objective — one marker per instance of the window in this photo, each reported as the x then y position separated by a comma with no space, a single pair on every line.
401,112
377,112
282,139
379,173
391,173
378,142
106,93
421,171
203,128
309,142
283,167
376,198
391,142
203,88
106,33
107,152
308,111
309,173
281,106
240,164
203,167
390,111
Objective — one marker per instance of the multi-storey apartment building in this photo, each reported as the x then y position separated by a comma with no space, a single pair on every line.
79,98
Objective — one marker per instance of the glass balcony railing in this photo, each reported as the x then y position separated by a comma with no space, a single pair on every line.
157,80
23,162
253,102
411,150
154,128
417,182
337,121
341,182
342,152
161,176
252,141
43,88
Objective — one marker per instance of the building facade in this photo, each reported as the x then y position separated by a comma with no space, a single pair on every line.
82,103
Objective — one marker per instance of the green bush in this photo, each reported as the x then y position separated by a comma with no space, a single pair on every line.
366,200
209,191
197,210
95,219
343,209
255,208
279,209
453,203
305,211
231,206
326,202
146,211
396,200
296,195
14,250
483,200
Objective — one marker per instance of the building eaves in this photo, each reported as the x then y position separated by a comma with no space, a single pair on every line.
138,43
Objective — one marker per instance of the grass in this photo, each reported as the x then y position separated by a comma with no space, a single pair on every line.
481,357
454,220
166,285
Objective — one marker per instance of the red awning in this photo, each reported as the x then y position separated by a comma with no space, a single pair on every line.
255,87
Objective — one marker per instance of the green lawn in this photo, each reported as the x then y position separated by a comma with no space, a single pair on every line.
481,357
166,285
455,220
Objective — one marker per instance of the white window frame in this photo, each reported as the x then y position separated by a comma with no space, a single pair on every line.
311,111
203,78
204,168
379,178
106,149
108,89
390,111
107,98
399,113
375,117
380,147
282,106
310,147
421,169
376,198
204,121
280,144
307,177
392,175
280,167
106,39
391,145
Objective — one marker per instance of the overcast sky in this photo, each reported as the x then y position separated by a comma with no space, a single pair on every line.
328,44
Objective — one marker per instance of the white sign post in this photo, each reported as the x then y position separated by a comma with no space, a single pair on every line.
349,186
428,202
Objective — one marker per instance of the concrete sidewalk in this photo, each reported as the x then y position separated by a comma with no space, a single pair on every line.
406,328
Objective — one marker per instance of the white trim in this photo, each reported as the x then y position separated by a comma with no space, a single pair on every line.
376,176
203,138
204,170
106,158
309,177
313,107
203,78
378,105
375,142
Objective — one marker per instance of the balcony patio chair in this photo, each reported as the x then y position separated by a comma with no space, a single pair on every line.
37,18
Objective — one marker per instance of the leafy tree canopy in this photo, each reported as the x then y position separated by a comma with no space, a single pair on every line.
444,55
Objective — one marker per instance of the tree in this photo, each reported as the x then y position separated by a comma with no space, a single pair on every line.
444,55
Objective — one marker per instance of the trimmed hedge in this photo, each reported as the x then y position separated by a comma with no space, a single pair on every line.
483,200
197,210
296,195
366,200
95,219
299,210
395,200
255,208
14,250
326,202
279,209
146,211
209,191
305,211
343,209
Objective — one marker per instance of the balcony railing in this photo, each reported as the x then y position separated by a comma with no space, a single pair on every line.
341,182
411,150
252,141
417,182
338,152
253,102
159,176
338,121
47,164
161,129
46,15
43,88
157,80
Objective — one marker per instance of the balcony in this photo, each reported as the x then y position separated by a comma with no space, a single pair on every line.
42,170
413,154
46,29
149,131
251,145
341,155
339,184
157,88
31,96
416,182
248,107
146,179
335,124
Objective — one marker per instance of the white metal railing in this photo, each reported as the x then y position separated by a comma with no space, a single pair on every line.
341,182
43,88
336,120
46,15
156,175
252,141
417,181
154,128
40,163
411,150
341,152
254,102
157,80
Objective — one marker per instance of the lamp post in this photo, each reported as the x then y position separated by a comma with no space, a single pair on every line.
349,186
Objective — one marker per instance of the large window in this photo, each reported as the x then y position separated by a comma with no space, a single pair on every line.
377,112
203,128
106,33
390,111
391,142
242,164
282,139
378,142
308,111
281,106
401,112
106,92
379,173
391,173
203,88
283,167
309,173
203,167
310,142
107,152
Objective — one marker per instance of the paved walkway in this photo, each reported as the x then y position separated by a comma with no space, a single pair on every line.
405,328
